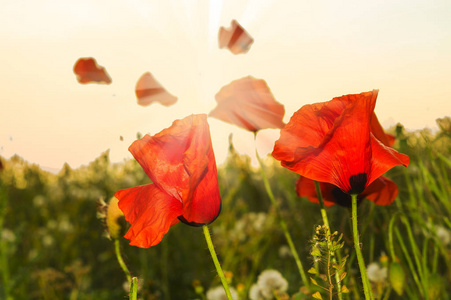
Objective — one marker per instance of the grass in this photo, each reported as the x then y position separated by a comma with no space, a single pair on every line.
53,245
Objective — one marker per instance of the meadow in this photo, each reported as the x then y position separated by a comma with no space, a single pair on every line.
53,243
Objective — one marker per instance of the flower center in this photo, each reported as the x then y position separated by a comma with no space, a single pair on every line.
357,183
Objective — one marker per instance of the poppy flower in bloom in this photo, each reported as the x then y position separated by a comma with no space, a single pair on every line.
235,38
149,90
248,103
381,191
88,71
181,164
333,142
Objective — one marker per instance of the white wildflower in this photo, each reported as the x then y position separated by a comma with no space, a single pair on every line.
255,293
443,234
376,273
218,293
8,235
271,282
285,251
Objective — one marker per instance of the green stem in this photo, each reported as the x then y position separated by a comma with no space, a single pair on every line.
326,222
121,261
216,261
134,289
282,223
358,251
409,262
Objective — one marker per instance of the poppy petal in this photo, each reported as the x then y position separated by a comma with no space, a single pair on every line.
332,142
235,38
329,154
149,90
180,161
306,188
378,132
386,158
150,211
88,71
248,103
382,191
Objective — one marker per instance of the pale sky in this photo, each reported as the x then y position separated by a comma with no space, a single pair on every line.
306,51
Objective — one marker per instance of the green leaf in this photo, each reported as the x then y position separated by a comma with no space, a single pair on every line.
342,276
314,281
313,271
344,289
317,295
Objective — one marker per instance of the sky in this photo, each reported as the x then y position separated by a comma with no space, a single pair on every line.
306,51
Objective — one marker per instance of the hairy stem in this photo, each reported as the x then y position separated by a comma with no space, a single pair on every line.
216,261
358,251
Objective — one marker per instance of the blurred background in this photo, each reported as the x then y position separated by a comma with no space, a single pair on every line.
306,52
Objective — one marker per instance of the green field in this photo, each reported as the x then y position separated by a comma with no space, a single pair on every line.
53,244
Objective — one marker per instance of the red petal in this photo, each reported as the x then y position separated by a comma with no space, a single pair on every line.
331,142
150,211
382,191
235,38
385,158
149,90
248,103
378,132
180,161
306,188
88,71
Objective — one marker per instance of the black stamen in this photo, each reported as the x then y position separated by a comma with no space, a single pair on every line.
358,183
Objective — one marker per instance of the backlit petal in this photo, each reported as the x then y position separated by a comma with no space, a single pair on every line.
150,211
180,161
88,71
378,132
332,142
235,38
338,147
149,90
382,191
248,103
306,188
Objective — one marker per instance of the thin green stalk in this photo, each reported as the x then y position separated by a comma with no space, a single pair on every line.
216,261
117,248
134,289
387,293
390,237
409,262
416,254
326,222
358,251
282,223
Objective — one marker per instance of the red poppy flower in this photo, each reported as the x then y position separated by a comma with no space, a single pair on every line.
381,191
181,164
248,103
149,90
235,38
333,142
87,71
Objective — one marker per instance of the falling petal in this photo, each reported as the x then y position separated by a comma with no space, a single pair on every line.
88,71
235,38
248,103
149,90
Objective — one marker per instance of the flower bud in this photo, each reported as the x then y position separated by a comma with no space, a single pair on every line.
112,218
435,286
397,278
